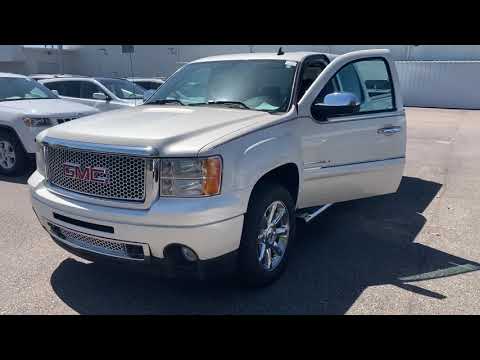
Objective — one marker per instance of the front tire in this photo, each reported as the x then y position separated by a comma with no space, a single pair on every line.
268,233
12,155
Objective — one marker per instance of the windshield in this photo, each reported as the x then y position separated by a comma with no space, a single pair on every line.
123,89
12,88
264,85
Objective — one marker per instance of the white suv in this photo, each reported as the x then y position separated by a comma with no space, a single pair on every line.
26,108
102,93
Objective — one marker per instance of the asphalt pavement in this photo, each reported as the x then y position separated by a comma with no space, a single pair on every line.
413,252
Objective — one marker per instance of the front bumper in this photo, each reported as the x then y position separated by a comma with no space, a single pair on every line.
219,267
152,229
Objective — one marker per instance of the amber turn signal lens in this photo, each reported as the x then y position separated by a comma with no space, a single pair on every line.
212,168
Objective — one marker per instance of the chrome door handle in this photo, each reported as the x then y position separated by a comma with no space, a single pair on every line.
387,131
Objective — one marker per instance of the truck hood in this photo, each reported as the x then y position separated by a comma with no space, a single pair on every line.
170,130
46,107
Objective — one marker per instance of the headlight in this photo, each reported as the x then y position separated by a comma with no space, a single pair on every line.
191,177
40,158
37,122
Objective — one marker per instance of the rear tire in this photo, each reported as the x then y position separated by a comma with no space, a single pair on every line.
13,158
264,248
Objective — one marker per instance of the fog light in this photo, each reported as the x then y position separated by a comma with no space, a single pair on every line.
189,254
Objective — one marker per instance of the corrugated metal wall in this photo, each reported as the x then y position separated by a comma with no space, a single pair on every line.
445,84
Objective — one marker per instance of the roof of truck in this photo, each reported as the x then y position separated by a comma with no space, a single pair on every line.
288,56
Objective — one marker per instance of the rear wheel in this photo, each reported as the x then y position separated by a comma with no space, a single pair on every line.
269,229
12,155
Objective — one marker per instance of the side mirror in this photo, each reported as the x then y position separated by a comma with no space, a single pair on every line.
338,103
100,96
147,94
55,92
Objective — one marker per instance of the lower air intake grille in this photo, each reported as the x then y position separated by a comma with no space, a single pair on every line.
98,245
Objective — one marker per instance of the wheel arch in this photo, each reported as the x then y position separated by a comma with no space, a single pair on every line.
287,175
11,130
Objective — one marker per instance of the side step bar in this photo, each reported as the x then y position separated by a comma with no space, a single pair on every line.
308,216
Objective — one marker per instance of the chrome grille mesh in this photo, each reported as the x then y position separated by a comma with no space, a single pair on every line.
98,245
126,174
89,241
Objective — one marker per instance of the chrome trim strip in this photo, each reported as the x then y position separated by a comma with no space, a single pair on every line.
103,148
146,248
359,117
347,164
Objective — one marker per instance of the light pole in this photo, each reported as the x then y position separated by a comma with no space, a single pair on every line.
105,53
62,64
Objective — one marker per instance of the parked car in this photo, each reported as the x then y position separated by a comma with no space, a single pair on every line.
26,108
102,93
211,173
148,83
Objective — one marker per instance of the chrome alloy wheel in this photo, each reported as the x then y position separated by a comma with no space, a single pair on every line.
7,155
273,235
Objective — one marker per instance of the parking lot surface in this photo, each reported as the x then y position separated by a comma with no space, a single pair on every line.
413,252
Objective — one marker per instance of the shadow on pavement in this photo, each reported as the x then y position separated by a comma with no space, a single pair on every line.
22,179
350,247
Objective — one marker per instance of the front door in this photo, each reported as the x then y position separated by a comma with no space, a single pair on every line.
358,155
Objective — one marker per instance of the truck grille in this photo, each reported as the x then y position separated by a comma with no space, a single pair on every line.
126,174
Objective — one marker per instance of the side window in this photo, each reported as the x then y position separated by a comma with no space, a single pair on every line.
66,88
88,89
369,80
348,81
377,83
148,85
56,86
309,75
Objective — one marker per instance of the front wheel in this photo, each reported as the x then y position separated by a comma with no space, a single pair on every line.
12,155
268,231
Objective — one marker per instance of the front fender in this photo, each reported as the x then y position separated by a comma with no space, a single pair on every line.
248,158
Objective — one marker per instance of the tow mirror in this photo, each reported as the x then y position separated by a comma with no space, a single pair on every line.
338,103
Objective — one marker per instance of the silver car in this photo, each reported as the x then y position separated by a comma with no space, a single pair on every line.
102,93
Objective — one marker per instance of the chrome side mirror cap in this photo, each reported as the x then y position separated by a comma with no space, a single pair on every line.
100,96
337,103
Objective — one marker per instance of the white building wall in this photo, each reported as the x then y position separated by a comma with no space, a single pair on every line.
163,60
446,84
11,53
430,75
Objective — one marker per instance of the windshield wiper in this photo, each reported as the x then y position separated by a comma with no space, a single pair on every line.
165,101
212,102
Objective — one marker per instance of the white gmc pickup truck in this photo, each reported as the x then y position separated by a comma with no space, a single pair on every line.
210,174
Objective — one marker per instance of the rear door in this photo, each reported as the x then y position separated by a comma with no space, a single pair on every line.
352,156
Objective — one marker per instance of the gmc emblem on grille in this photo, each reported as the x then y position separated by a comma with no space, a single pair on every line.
86,173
